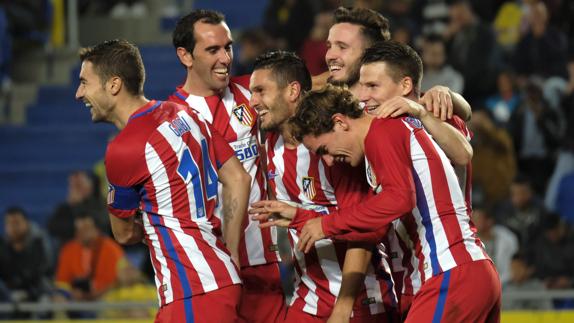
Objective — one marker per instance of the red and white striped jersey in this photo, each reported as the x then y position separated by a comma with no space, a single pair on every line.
231,115
404,260
298,176
164,163
416,184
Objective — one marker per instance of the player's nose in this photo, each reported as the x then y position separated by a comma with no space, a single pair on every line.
329,160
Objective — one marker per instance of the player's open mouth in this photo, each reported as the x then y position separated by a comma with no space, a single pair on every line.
335,68
88,105
340,159
371,108
223,72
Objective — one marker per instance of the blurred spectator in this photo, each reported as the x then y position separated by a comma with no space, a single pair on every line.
5,53
500,242
25,259
29,20
436,71
131,286
494,164
507,26
522,213
254,42
403,18
522,280
472,51
543,49
315,46
114,8
435,14
552,254
289,21
560,194
503,104
87,265
535,130
83,195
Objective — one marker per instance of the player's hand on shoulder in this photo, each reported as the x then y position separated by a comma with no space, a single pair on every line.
438,100
396,107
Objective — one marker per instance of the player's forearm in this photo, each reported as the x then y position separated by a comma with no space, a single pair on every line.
460,106
356,263
371,215
451,141
127,231
235,199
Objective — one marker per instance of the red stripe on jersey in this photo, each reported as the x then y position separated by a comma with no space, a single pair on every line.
290,175
443,200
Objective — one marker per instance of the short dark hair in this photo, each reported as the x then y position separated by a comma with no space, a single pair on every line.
183,34
286,67
316,109
119,58
402,60
374,26
13,210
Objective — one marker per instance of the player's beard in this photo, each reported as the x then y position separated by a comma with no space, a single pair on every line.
352,77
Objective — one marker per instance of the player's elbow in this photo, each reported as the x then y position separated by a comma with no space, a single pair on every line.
124,236
464,157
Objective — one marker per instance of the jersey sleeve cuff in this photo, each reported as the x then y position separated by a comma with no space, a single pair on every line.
122,213
301,217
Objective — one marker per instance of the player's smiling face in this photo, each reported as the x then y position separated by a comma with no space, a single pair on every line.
268,99
212,56
93,93
345,46
376,86
337,146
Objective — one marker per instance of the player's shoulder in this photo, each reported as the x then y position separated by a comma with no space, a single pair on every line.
242,80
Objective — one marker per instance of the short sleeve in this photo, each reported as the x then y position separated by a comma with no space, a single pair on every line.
126,172
221,147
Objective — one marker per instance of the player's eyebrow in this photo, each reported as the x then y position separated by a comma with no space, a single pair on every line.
322,150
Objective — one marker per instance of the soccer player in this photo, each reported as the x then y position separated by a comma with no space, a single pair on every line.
407,169
330,279
163,168
357,29
203,45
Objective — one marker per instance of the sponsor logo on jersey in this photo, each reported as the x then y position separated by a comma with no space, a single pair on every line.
243,114
271,175
309,187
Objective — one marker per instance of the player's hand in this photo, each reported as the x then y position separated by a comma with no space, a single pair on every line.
398,106
312,232
438,101
272,213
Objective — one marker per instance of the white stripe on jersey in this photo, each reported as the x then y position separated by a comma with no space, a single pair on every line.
328,190
281,190
165,273
159,179
421,166
199,104
311,299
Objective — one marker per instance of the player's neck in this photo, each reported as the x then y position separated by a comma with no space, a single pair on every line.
125,107
362,126
286,133
195,86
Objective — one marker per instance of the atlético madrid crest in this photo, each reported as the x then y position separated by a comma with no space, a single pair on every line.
111,194
243,114
309,187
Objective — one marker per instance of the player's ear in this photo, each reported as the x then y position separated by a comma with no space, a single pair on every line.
185,57
340,122
294,91
114,85
407,86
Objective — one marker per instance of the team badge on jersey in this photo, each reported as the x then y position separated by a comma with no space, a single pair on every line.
309,187
243,114
414,122
372,178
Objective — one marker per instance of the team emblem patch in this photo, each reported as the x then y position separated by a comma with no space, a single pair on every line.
414,122
243,114
372,177
309,187
111,194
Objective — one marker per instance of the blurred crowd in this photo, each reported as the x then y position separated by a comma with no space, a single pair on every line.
512,60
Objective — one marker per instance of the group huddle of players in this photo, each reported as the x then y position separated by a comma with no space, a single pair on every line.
371,180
